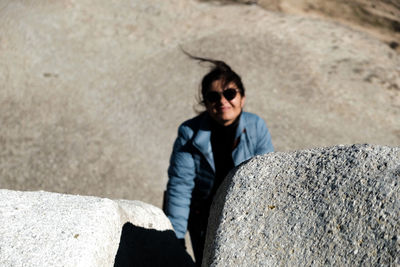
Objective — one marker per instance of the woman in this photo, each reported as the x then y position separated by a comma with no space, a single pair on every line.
207,148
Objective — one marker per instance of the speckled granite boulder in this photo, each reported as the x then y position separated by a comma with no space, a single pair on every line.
49,229
335,206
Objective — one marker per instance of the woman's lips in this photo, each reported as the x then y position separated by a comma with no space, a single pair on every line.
223,108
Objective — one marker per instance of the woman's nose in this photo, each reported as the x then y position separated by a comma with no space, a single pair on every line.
222,99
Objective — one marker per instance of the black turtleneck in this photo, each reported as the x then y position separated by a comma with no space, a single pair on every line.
222,142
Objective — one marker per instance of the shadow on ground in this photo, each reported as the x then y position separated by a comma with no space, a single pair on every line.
148,247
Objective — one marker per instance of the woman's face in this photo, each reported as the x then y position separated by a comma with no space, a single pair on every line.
224,111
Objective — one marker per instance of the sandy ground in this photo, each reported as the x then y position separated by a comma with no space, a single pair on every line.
92,93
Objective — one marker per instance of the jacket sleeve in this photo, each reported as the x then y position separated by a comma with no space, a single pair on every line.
264,143
181,173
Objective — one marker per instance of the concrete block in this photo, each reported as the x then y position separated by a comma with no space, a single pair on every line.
50,229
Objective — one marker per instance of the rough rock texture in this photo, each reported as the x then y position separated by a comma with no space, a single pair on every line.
49,229
337,206
92,92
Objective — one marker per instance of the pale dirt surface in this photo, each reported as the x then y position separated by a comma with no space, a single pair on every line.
92,93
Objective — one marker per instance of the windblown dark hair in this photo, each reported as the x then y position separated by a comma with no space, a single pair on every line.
219,71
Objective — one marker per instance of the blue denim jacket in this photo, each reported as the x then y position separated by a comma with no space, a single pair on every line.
191,172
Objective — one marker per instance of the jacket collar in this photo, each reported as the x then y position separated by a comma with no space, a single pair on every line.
202,140
241,127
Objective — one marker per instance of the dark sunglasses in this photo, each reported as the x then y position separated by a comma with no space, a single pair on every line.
214,97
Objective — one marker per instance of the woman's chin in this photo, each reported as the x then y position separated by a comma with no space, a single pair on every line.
224,118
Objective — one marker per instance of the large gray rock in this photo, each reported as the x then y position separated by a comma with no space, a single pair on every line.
49,229
336,206
380,18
